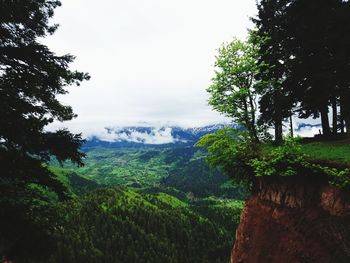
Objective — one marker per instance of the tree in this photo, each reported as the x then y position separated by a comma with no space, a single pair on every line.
275,102
306,58
311,79
230,150
321,63
31,76
232,92
341,54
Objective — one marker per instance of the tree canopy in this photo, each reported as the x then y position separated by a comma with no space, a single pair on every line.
232,91
293,63
31,77
307,58
299,65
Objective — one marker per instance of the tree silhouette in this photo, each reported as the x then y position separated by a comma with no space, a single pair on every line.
307,58
31,76
275,102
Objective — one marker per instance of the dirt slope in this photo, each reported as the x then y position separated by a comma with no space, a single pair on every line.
294,220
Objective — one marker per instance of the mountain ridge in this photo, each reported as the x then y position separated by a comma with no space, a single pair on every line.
143,136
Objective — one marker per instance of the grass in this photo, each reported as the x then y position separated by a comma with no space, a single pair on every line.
333,152
330,151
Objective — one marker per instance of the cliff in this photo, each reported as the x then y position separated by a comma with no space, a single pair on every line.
296,220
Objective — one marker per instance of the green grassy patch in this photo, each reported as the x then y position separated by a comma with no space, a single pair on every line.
171,200
337,151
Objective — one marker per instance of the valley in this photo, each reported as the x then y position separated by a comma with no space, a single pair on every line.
141,199
123,170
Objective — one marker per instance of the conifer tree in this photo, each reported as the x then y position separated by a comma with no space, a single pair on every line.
31,77
306,58
275,103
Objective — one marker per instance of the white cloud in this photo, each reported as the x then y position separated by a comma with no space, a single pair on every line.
149,60
308,131
153,136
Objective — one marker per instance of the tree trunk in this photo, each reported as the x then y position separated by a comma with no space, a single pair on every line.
278,131
345,109
347,125
254,132
278,118
252,107
291,126
341,119
335,115
247,120
325,121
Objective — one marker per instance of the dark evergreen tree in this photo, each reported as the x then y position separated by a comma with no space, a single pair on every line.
30,78
305,58
311,72
275,102
340,42
120,225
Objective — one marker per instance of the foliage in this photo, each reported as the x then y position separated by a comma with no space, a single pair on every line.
75,184
26,220
224,212
242,160
337,177
274,102
31,76
232,92
182,168
289,159
317,70
280,160
305,59
120,225
144,220
201,181
230,150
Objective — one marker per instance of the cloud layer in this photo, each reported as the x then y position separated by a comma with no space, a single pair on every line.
149,135
149,60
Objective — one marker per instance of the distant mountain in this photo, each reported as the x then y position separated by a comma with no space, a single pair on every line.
142,136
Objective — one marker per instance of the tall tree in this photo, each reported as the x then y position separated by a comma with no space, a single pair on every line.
312,68
275,102
307,58
232,92
339,39
31,76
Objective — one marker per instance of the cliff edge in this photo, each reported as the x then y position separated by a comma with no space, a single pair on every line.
294,220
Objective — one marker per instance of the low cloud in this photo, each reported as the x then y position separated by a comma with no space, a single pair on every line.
308,130
145,135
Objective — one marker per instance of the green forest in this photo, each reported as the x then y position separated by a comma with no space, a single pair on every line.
64,202
121,225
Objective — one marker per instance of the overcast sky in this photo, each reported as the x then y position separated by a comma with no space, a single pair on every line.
150,61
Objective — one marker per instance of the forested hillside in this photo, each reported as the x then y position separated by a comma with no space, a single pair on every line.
171,207
121,225
183,168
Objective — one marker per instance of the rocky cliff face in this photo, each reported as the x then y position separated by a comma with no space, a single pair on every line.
296,220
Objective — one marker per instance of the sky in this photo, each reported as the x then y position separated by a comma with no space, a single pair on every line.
150,61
